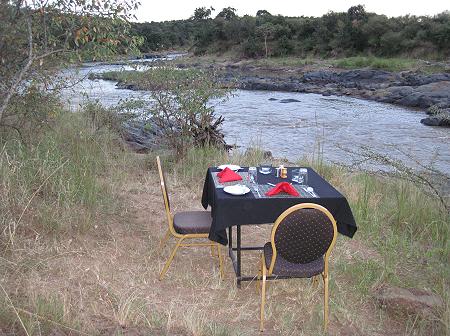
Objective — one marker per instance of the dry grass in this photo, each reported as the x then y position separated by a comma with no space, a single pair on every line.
104,280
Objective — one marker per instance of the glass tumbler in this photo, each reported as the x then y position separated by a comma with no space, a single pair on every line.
253,178
295,173
302,176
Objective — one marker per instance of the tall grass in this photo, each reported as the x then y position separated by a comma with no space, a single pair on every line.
55,182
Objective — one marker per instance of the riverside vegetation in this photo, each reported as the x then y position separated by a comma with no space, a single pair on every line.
81,217
352,33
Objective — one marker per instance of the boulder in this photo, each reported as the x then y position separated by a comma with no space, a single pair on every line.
402,302
253,151
141,136
290,100
435,121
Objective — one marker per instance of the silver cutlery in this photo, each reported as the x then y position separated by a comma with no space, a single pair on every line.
257,191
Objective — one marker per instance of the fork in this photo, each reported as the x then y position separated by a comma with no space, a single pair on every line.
257,191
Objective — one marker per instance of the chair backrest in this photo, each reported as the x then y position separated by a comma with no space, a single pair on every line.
303,233
164,191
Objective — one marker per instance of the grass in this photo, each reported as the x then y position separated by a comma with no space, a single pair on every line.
84,255
355,62
390,64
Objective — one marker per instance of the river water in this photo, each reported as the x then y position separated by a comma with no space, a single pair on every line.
298,129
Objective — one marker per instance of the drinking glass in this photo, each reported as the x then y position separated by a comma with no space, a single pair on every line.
253,178
303,176
295,174
265,168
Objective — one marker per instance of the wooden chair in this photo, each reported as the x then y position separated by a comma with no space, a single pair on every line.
185,225
301,242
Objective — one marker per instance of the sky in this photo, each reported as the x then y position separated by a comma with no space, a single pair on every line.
163,10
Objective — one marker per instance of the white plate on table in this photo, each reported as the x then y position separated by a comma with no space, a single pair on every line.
230,166
237,189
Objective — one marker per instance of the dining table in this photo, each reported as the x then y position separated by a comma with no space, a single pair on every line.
255,207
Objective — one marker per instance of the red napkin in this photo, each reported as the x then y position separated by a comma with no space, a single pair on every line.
283,187
227,175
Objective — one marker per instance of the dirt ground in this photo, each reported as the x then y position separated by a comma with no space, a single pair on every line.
106,281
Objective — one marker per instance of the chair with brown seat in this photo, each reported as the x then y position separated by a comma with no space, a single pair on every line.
301,242
185,225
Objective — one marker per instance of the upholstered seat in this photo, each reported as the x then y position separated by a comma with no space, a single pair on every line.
185,225
301,242
192,222
286,268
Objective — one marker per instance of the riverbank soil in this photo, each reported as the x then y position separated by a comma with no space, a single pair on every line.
105,281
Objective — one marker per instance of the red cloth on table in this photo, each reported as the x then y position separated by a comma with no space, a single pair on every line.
227,175
283,187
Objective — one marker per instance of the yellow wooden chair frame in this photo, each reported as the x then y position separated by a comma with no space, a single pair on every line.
171,232
268,272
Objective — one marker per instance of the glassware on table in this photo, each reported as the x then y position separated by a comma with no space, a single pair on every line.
253,178
302,176
295,174
265,168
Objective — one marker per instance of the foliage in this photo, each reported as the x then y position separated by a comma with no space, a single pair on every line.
181,106
391,64
38,37
348,33
54,183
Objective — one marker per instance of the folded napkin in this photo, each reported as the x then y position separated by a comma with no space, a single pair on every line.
283,187
227,175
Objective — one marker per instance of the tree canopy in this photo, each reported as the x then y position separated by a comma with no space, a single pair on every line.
349,33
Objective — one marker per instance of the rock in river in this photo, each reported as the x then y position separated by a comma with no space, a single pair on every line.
289,101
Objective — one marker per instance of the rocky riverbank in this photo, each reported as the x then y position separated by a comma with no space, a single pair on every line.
426,92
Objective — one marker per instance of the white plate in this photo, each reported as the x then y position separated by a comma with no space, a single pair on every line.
230,166
237,189
265,173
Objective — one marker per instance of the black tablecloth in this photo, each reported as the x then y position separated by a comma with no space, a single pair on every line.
228,210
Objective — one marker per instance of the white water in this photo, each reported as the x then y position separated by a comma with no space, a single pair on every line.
294,130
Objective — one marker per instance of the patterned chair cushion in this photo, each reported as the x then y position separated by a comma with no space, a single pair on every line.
192,222
286,268
304,236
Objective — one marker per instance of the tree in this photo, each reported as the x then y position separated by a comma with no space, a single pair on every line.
202,13
263,13
227,14
357,13
38,37
266,30
181,107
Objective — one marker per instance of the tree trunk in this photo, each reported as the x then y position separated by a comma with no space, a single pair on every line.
265,44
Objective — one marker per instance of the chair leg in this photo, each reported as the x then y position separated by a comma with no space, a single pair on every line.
164,240
258,279
222,274
325,301
263,298
169,261
213,250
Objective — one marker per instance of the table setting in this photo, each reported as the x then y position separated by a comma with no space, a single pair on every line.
263,181
258,195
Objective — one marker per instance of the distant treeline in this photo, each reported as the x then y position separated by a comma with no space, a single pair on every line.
350,33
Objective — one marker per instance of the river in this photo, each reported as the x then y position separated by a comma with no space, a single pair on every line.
297,129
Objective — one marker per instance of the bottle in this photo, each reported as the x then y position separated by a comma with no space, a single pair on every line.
283,172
